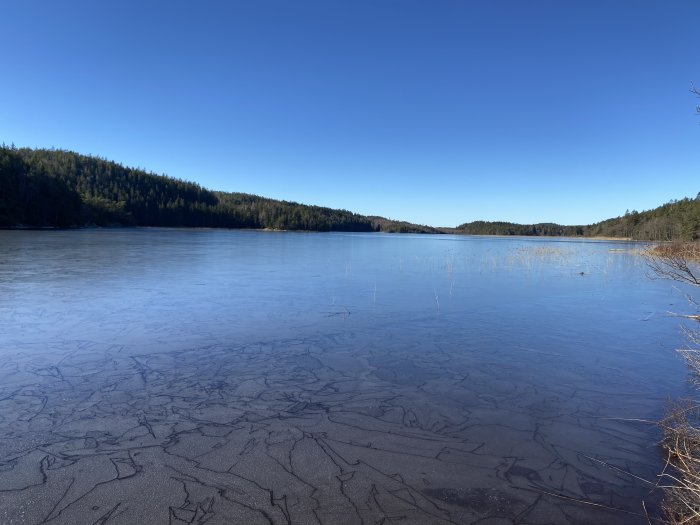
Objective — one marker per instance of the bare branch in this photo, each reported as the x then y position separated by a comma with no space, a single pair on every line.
675,261
680,479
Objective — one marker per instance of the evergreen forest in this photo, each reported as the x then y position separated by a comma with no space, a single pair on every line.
675,220
62,189
57,188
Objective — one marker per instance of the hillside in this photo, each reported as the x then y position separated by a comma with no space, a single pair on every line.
56,188
676,220
510,228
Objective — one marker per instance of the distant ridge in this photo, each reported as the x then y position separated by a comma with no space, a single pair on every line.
675,220
511,228
57,188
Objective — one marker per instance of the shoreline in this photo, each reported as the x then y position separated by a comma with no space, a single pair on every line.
441,231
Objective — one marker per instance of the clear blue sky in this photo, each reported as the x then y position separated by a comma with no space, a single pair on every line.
433,111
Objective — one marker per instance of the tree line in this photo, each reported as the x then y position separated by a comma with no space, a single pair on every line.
510,228
675,220
58,188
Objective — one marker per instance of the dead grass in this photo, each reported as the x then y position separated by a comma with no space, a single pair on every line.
677,261
687,250
680,479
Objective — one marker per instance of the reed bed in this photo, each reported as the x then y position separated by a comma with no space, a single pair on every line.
689,250
680,479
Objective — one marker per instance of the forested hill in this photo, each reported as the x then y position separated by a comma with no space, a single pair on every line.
510,228
675,220
57,188
678,219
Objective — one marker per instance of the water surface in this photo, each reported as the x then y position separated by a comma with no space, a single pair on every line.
184,376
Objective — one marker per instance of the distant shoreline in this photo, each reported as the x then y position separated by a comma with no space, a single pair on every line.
440,231
57,189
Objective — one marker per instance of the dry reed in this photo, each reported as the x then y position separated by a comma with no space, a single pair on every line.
680,479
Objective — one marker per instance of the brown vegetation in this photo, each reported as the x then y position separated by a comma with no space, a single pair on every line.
680,480
677,261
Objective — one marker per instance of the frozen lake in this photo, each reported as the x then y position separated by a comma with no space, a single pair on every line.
184,376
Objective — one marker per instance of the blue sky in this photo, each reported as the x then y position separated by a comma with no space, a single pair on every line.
438,112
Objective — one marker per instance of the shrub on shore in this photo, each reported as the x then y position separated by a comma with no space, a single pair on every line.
680,479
